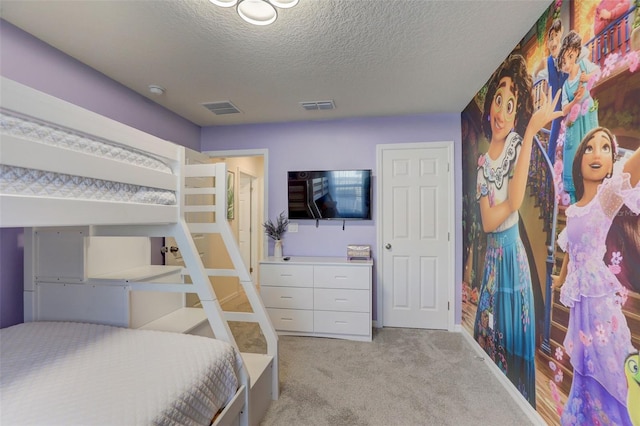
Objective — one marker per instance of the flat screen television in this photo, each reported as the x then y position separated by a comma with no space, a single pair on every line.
329,194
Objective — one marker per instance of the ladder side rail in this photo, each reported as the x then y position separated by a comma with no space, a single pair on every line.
268,330
209,302
194,265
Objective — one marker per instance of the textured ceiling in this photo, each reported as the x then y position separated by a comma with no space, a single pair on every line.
371,57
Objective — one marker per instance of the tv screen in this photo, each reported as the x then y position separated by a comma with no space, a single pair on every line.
330,194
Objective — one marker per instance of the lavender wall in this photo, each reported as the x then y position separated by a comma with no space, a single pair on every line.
27,60
324,144
11,276
337,144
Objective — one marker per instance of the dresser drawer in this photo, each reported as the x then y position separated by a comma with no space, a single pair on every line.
291,319
341,322
287,297
342,277
329,299
286,275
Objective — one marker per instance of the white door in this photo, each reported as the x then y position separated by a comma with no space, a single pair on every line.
416,220
246,227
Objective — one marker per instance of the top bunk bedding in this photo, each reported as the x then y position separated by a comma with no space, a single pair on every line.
63,165
63,373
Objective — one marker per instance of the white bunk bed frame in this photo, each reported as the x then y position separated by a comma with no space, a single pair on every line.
108,218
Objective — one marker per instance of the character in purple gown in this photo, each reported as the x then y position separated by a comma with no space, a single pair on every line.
598,339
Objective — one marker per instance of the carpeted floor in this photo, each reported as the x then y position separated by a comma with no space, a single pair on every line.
404,377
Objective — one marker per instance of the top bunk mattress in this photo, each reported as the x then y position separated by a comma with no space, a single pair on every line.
62,373
43,183
63,165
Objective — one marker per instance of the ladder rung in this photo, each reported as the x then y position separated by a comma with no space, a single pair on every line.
200,170
200,209
203,228
216,272
200,191
241,316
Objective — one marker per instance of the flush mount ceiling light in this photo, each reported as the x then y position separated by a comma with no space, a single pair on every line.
156,90
257,12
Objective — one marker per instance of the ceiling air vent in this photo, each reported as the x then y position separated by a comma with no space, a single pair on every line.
318,105
222,108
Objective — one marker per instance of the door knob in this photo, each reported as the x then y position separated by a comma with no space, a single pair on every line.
388,246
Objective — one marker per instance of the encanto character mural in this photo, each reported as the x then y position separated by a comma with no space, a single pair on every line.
597,328
504,324
551,199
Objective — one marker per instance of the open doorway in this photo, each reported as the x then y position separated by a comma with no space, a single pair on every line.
247,211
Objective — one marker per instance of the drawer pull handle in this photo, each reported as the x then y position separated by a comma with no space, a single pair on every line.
286,297
341,322
340,277
341,300
286,319
286,275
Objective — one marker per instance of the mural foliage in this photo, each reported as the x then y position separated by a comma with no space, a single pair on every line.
551,165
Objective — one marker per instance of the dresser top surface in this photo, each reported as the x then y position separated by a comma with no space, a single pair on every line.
315,260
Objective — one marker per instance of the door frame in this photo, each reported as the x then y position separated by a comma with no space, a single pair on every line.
380,149
254,222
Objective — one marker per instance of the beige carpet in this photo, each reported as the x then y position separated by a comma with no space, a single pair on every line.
404,377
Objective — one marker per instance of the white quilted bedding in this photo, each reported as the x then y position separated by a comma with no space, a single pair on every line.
21,181
57,373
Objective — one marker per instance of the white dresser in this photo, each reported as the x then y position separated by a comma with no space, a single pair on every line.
318,296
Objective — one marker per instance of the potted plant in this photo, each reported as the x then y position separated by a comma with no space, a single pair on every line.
275,232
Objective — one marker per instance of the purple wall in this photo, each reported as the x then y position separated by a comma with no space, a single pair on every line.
324,144
29,61
11,276
338,144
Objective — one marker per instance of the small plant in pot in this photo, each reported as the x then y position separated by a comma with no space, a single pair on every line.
275,232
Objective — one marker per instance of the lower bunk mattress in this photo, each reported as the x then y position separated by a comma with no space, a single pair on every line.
64,373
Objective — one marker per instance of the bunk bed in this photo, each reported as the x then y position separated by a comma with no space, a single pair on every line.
67,171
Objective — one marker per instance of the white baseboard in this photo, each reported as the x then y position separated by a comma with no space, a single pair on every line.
531,413
232,301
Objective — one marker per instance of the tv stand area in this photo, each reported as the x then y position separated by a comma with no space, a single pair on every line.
318,296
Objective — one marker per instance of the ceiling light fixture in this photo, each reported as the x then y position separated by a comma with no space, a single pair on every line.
257,12
156,90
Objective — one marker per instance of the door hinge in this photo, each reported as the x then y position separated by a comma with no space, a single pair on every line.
251,269
448,306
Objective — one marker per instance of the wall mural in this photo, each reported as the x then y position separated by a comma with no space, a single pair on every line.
551,164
